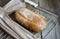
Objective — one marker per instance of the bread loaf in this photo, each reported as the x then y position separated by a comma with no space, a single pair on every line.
30,20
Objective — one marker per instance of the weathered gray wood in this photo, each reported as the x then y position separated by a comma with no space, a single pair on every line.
44,4
47,30
51,35
49,6
57,31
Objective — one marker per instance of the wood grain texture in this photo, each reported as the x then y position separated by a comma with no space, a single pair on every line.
51,5
44,4
54,34
3,2
47,5
51,35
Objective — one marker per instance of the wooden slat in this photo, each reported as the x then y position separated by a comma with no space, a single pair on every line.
51,35
57,32
44,4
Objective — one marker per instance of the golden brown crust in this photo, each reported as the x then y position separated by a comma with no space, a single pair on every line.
31,20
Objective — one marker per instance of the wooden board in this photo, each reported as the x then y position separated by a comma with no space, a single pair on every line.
54,33
51,35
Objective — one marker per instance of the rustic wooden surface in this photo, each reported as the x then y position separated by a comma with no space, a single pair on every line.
52,6
47,4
